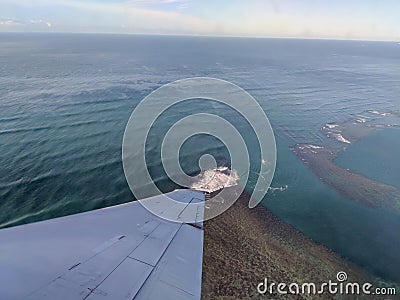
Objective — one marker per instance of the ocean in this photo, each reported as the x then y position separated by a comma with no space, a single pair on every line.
65,100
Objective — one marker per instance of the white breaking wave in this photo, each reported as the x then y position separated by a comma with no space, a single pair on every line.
375,112
215,179
281,189
310,147
361,120
331,126
340,138
313,147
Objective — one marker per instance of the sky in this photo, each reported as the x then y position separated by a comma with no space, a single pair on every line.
340,19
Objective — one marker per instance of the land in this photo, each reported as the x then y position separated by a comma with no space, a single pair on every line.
243,246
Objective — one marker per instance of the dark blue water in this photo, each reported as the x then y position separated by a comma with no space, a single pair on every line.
65,101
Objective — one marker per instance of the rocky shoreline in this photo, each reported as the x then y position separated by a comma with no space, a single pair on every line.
243,246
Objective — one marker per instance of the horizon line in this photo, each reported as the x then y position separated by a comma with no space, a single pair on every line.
204,35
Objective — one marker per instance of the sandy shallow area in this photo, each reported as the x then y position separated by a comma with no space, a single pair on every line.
242,246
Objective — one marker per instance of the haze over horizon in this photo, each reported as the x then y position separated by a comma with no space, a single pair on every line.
355,19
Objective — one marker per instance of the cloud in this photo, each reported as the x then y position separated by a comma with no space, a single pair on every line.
40,22
9,22
88,16
248,18
147,20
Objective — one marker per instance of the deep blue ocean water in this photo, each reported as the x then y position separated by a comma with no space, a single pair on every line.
65,100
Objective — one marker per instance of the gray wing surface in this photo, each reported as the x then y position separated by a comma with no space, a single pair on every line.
120,252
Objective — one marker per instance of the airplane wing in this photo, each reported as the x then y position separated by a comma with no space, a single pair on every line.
119,252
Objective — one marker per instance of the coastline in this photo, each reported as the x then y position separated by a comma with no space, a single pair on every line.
243,246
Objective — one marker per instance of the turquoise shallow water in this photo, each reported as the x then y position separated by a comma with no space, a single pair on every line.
368,236
65,100
376,156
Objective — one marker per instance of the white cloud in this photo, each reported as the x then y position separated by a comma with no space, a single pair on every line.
110,17
180,17
40,22
9,22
